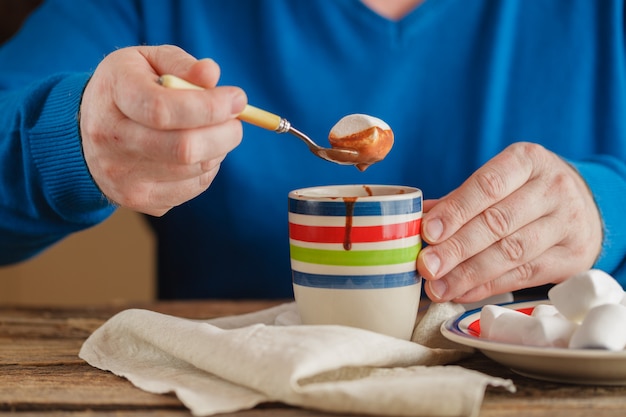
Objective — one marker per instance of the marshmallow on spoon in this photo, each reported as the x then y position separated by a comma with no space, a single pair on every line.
582,292
370,136
604,327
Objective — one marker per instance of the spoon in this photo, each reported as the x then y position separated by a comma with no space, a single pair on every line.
273,122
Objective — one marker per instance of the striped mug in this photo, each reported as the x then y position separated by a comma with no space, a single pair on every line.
353,255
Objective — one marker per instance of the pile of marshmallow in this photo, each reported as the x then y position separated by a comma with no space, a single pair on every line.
587,311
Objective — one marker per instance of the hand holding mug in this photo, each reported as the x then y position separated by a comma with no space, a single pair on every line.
524,219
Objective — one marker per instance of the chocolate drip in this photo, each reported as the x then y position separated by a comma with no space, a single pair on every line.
347,239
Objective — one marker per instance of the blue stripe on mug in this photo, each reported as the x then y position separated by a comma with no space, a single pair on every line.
354,282
361,208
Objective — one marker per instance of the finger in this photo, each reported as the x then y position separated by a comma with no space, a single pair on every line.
487,228
157,198
545,269
162,108
204,73
179,147
169,59
147,170
139,97
507,254
566,226
176,193
490,184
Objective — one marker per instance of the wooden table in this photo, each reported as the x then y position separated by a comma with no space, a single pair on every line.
41,374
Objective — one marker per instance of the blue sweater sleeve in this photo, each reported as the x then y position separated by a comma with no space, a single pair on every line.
46,191
606,177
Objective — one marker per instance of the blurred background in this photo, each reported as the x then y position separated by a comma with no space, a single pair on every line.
110,263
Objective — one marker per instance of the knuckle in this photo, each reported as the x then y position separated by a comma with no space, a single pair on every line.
455,248
498,221
232,137
522,274
237,132
157,113
97,137
481,292
563,184
528,151
467,277
457,211
217,105
512,247
94,130
582,252
185,152
213,112
111,172
579,250
491,184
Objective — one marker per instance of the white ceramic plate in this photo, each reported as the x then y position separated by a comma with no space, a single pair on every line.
575,366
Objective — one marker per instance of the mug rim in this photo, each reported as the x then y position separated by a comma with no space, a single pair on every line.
313,194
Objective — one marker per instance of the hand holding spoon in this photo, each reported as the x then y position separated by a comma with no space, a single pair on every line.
360,148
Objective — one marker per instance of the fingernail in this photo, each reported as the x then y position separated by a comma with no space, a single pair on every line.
431,262
433,229
238,103
437,288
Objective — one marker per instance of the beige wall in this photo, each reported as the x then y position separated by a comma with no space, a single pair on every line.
112,262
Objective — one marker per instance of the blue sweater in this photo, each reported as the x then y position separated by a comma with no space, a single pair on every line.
456,80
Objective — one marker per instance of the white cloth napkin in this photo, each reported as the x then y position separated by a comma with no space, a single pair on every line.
234,363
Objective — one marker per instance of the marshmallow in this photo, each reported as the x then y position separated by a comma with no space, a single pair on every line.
604,327
487,315
509,327
549,331
354,123
588,312
582,292
545,310
370,136
547,328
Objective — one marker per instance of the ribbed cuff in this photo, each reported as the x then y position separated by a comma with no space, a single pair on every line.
56,149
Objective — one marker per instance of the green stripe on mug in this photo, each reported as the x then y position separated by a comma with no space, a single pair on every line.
355,257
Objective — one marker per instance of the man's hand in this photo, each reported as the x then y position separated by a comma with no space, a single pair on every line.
526,218
150,148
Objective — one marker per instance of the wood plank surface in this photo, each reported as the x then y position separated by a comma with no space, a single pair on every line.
41,374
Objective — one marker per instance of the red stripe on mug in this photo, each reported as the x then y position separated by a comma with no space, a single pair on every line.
358,234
